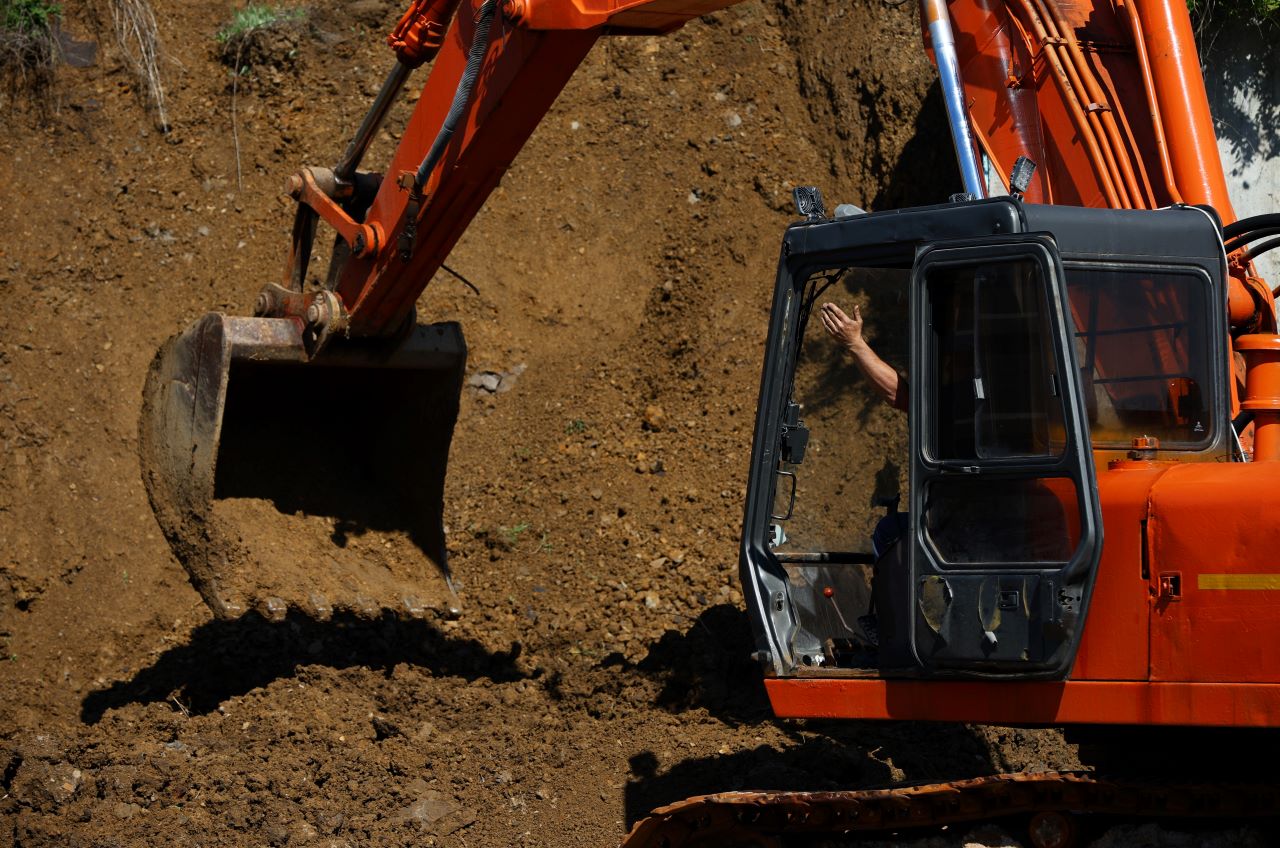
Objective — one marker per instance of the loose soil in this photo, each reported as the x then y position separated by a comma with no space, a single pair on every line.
623,268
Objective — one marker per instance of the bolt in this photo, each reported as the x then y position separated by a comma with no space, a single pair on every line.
359,245
264,305
315,313
294,186
513,9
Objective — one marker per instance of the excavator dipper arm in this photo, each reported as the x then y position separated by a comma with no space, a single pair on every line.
497,72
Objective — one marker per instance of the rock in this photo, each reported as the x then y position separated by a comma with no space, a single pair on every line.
651,600
487,381
430,808
654,418
45,786
125,811
384,728
494,382
509,377
438,813
301,833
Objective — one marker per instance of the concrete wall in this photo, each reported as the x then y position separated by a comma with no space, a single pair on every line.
1242,74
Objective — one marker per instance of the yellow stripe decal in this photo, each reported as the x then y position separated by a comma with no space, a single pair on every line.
1239,581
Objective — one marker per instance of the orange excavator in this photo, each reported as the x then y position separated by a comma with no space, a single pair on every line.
1094,410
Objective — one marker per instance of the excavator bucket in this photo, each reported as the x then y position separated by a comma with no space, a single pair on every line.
283,482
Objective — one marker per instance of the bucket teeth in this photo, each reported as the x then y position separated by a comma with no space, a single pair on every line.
318,607
413,607
273,609
286,484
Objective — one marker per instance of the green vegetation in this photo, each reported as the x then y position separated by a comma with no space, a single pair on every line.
511,535
254,17
30,16
1220,11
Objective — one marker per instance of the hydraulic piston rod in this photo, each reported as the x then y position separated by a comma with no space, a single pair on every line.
944,49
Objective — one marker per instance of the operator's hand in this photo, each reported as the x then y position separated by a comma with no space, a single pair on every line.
844,329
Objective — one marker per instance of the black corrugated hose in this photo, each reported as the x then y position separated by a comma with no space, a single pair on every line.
475,57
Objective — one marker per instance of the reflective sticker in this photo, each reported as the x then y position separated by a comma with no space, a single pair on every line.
1238,581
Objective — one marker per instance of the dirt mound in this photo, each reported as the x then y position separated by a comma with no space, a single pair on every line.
624,264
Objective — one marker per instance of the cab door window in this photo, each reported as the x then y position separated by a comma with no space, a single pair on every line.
992,358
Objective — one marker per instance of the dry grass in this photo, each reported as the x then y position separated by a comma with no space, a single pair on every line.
137,35
29,52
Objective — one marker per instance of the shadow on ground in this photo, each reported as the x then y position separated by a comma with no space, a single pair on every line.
822,757
708,667
224,659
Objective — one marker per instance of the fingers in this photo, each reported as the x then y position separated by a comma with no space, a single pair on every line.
833,319
844,329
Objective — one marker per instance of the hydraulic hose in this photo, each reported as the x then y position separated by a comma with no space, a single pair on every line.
1247,225
462,97
1257,250
1234,244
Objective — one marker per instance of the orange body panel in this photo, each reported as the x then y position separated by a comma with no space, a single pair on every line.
1213,528
655,16
1114,646
1070,702
1195,650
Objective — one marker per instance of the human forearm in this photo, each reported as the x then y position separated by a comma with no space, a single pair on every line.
882,376
847,331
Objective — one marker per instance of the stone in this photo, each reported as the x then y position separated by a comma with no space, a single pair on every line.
430,808
654,417
438,813
126,811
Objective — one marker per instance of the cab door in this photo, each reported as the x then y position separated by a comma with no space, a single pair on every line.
1005,529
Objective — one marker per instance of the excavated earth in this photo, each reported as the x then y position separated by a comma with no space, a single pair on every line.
622,275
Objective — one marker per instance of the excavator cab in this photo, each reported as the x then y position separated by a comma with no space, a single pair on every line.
990,563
